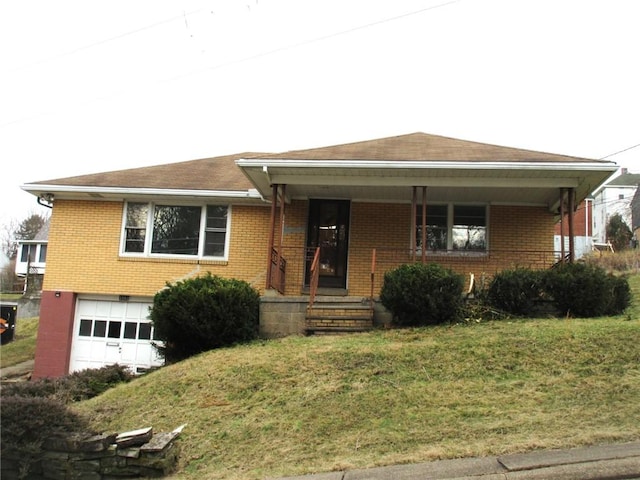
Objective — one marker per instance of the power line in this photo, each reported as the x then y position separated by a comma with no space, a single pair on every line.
621,151
107,40
225,64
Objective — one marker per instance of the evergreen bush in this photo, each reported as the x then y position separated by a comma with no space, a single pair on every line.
203,313
422,294
516,291
586,290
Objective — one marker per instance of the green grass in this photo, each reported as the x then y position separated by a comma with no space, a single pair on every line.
311,404
23,345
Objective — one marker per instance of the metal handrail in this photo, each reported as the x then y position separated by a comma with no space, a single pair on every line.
314,277
277,279
373,276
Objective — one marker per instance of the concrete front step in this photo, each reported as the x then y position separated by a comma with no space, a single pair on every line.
339,315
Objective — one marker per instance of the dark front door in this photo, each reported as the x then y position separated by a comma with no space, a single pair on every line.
328,229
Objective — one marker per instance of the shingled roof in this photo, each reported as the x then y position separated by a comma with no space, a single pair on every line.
424,147
218,173
382,170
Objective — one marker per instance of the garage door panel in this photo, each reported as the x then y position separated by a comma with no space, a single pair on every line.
86,307
108,332
103,309
83,349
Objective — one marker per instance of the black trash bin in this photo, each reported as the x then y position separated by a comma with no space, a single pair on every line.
7,321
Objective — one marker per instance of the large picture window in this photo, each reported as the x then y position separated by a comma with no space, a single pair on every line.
159,229
453,227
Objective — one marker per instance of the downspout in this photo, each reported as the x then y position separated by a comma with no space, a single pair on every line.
46,200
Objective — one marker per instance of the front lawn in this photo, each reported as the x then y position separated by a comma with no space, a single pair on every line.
313,404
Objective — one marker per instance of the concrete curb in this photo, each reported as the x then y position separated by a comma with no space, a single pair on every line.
603,462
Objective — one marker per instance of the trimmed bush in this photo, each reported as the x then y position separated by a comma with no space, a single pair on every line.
26,424
90,383
422,294
203,313
516,291
75,387
584,290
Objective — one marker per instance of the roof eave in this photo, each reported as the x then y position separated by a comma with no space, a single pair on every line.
120,193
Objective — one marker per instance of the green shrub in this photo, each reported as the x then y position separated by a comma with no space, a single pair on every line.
422,294
89,383
26,424
516,291
621,295
203,313
41,388
586,290
75,387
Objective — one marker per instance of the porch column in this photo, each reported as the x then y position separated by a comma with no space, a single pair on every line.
283,192
572,209
563,194
272,226
424,224
414,211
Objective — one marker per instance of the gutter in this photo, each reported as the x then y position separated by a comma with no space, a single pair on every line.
101,192
411,164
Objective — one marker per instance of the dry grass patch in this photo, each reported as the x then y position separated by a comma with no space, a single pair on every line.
23,345
300,405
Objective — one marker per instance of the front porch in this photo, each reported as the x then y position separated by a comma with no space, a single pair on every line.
292,307
342,216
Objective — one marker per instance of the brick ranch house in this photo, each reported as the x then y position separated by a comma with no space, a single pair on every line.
311,229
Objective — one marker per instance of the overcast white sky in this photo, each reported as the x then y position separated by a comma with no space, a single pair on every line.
92,86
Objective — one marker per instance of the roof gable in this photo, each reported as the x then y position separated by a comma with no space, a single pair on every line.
424,147
625,180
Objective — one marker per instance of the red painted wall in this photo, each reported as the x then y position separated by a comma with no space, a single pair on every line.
55,332
582,221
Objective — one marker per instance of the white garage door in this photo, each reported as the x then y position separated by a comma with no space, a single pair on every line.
108,332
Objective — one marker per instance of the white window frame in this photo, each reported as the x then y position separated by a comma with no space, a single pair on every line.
149,231
450,216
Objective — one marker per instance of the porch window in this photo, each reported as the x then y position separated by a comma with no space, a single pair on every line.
176,230
453,227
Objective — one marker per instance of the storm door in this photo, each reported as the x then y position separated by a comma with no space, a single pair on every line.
328,228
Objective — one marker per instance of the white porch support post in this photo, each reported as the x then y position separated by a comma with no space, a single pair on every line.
572,209
424,224
414,211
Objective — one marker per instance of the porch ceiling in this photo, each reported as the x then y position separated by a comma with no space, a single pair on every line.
517,183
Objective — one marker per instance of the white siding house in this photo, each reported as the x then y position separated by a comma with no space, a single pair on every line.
613,197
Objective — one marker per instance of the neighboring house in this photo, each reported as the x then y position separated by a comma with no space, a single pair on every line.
306,228
635,218
32,257
613,197
582,230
